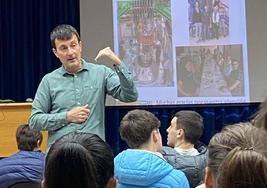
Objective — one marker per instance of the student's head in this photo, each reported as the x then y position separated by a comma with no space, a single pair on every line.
28,139
140,128
67,47
79,160
260,119
186,127
237,158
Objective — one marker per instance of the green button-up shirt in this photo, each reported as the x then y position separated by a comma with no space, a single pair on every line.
60,91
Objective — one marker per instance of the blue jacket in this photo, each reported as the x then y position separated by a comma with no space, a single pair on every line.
23,166
138,168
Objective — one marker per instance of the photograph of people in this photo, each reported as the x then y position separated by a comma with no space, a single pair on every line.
208,21
144,38
210,71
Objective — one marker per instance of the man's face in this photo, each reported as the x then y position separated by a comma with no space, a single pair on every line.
172,133
69,53
235,65
188,66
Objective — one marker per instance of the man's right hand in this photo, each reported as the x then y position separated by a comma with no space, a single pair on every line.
78,114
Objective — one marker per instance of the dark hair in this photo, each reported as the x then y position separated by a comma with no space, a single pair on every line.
91,166
237,157
192,124
63,32
27,139
136,127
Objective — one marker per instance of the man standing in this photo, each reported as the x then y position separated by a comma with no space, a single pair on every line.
184,154
72,98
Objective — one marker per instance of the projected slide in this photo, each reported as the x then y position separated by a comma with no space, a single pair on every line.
184,51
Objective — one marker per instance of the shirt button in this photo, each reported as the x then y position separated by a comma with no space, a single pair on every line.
77,90
78,103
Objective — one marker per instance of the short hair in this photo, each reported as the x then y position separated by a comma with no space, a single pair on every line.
84,157
192,124
63,32
27,139
237,157
136,127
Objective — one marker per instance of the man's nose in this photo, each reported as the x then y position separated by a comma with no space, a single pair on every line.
70,51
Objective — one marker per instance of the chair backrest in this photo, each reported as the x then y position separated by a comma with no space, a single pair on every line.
25,185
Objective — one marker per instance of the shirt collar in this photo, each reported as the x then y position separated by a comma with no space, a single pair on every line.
84,66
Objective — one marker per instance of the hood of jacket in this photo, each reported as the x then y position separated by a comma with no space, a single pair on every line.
141,168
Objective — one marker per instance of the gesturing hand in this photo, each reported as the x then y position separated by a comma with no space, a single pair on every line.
78,114
107,52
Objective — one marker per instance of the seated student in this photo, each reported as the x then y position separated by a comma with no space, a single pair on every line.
183,134
237,158
26,165
79,160
143,165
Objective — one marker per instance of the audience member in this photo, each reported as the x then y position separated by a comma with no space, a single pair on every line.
237,158
79,160
260,119
27,165
143,165
184,153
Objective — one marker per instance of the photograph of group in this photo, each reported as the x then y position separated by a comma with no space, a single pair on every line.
193,50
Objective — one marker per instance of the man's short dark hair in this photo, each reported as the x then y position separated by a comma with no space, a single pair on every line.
136,127
27,138
192,124
63,32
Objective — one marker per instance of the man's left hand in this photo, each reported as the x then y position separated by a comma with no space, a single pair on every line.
110,54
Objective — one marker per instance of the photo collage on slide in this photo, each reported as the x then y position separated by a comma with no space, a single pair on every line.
184,50
210,66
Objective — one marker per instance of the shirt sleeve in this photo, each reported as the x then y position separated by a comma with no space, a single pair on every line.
41,118
120,84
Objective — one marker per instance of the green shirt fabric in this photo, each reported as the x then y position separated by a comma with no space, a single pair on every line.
60,91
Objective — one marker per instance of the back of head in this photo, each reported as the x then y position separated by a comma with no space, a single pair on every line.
136,127
69,165
93,165
260,119
237,156
63,32
28,139
192,124
243,167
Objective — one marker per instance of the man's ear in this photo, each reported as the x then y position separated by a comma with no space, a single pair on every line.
179,133
112,182
55,52
154,136
39,142
208,178
42,184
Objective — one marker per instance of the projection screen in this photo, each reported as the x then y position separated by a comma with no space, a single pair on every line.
182,52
